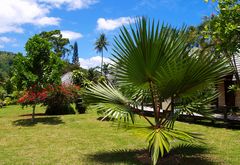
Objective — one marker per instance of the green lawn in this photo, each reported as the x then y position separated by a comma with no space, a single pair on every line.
82,139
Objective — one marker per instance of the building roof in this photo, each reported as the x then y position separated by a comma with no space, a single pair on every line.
237,59
67,78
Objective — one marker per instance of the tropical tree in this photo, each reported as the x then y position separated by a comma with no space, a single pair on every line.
93,74
38,68
154,64
101,44
222,30
75,58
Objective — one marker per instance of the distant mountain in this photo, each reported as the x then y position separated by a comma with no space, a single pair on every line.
6,52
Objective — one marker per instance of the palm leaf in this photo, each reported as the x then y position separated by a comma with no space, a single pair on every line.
160,141
106,99
150,53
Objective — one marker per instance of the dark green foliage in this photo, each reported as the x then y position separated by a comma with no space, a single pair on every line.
56,109
79,105
38,55
69,67
223,28
93,75
58,43
75,58
40,65
6,61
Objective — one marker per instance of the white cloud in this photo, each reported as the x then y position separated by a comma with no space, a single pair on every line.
71,35
93,62
71,4
111,24
14,14
6,40
43,21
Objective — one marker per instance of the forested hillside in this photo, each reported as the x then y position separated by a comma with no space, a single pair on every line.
6,60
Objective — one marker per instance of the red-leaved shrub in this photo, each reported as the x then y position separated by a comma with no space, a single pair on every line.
57,98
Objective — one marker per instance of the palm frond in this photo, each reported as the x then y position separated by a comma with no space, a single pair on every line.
141,51
160,141
109,101
182,77
199,103
117,112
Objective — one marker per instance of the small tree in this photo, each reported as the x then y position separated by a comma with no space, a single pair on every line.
93,75
154,64
37,69
223,31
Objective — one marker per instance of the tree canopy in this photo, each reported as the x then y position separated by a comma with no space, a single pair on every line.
58,43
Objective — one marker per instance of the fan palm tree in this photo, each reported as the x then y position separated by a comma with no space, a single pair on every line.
101,44
93,74
154,63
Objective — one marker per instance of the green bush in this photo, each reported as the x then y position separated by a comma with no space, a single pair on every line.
7,101
80,107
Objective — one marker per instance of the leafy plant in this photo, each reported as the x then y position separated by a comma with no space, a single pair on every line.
154,64
79,78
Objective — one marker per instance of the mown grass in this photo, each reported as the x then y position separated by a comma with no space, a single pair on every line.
82,139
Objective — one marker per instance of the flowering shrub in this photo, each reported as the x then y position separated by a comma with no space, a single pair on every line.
57,98
31,97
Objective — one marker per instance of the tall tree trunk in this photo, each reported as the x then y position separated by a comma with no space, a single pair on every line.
102,63
33,113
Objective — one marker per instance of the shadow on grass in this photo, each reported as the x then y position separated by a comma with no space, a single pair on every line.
182,154
43,120
216,124
36,114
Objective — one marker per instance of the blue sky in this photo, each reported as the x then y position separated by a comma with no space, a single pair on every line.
84,20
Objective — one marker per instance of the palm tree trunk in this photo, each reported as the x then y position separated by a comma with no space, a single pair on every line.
156,104
102,63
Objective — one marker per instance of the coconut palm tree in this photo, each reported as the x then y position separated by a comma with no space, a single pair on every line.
155,64
101,44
